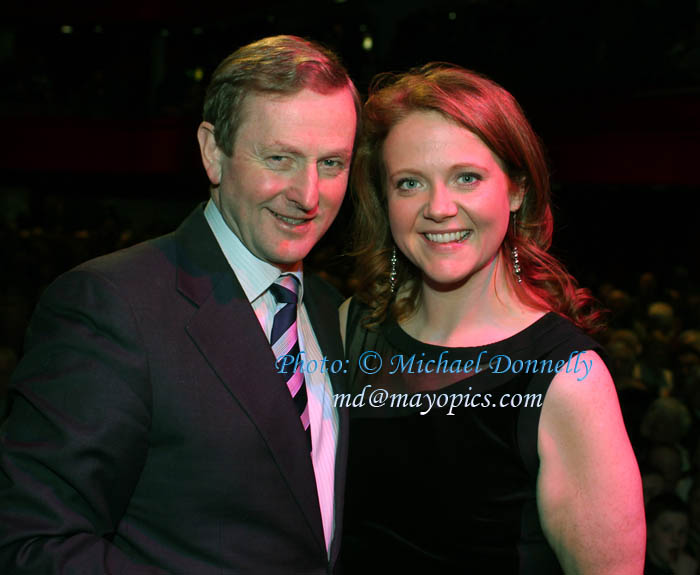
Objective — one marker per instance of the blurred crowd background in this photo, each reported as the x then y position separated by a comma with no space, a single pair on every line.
99,107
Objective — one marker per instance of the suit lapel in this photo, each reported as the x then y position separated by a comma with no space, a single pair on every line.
323,315
228,334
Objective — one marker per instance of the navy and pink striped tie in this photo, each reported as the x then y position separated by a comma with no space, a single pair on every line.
285,341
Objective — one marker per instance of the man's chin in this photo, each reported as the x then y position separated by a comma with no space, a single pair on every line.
284,252
288,260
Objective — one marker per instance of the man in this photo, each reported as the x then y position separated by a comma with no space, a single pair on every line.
150,429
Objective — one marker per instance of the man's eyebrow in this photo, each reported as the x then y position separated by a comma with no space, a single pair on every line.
344,153
277,146
281,147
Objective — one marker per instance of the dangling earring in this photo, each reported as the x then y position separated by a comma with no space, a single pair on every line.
514,251
392,274
516,264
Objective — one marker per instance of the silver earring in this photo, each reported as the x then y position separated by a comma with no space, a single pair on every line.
516,264
392,274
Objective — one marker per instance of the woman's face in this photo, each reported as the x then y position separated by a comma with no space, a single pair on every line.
449,199
666,538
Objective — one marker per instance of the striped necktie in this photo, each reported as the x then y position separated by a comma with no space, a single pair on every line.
285,341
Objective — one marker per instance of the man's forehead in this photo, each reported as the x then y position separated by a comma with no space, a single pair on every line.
258,97
306,111
308,122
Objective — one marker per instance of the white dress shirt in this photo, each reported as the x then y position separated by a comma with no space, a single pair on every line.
255,277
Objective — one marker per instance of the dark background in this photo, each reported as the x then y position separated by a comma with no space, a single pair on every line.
99,107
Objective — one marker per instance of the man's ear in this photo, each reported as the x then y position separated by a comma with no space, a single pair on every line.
211,155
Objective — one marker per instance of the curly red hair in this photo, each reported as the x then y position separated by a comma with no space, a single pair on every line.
489,111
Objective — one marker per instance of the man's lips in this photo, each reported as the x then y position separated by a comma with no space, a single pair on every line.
290,220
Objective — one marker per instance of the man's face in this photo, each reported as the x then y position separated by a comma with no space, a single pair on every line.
286,178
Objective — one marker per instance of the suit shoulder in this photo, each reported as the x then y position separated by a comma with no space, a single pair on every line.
139,261
130,271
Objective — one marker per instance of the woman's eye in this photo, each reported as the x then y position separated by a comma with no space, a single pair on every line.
407,184
468,178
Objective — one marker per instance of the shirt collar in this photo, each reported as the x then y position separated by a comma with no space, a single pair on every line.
254,274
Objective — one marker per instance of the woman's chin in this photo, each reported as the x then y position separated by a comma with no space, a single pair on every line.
445,282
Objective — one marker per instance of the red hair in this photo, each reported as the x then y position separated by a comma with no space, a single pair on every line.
490,112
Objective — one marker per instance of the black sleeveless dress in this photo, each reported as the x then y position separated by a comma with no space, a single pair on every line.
452,490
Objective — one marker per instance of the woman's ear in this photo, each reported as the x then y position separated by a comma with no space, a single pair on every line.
211,154
517,194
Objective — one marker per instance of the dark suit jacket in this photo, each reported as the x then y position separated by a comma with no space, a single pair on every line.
149,431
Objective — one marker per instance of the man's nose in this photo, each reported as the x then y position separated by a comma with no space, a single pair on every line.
304,190
441,205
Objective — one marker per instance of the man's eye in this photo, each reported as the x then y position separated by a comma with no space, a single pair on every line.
276,161
407,184
331,166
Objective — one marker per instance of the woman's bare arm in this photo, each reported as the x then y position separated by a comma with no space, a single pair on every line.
589,490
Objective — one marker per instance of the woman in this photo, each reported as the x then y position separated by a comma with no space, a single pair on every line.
455,464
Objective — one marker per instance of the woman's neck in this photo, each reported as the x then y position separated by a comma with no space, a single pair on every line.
481,310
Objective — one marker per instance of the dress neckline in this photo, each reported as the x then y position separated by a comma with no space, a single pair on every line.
400,339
